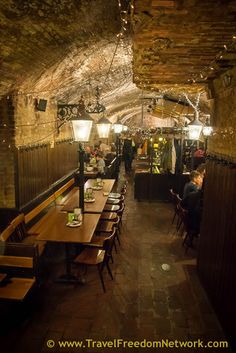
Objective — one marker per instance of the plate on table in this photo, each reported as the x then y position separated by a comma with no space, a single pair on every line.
89,200
74,224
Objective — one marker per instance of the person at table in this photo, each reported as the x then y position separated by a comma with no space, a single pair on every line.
194,184
87,154
100,165
193,204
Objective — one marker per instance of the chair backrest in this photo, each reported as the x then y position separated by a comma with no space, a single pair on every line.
108,245
121,210
116,222
175,198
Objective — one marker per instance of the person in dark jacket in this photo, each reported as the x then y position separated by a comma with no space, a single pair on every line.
128,154
193,204
194,184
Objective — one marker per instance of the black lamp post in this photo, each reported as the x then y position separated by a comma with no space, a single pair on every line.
82,125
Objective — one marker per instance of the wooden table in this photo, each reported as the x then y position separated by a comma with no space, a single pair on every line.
100,199
52,228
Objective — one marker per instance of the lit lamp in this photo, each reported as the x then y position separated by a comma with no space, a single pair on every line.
195,128
117,127
207,131
82,125
103,127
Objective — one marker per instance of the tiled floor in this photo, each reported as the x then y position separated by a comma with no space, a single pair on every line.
143,301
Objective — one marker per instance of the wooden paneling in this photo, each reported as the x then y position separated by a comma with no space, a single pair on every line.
217,252
41,166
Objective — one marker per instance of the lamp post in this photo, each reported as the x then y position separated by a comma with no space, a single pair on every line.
82,125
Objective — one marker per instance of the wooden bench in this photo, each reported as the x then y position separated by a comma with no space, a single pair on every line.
18,270
16,288
59,196
16,232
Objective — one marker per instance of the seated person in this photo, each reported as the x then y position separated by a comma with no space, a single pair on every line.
100,165
193,204
87,154
194,184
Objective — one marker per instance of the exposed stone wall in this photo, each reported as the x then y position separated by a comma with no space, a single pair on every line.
34,127
7,162
223,140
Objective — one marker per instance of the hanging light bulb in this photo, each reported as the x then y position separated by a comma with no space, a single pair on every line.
103,127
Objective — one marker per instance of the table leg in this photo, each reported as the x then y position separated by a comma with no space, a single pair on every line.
68,277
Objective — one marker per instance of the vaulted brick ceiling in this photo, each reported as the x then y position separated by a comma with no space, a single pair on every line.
65,48
182,44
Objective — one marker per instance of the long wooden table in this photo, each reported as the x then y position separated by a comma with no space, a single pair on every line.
52,228
101,197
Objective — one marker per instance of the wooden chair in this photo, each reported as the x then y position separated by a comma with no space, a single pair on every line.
111,208
112,201
108,227
175,199
108,216
100,257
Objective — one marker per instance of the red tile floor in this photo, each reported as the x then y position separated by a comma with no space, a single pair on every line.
143,301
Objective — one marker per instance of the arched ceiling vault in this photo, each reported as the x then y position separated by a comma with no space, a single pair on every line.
64,49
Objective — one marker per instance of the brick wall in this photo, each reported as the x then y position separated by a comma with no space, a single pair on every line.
223,141
34,126
7,163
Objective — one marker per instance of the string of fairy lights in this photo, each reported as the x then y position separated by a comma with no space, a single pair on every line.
207,71
120,42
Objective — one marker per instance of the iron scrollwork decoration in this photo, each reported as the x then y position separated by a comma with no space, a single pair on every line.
66,112
97,107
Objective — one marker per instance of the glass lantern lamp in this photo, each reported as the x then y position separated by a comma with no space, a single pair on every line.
82,125
118,127
195,129
103,127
